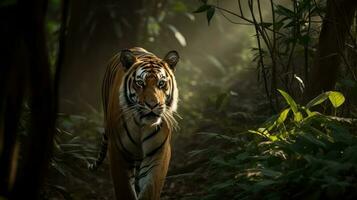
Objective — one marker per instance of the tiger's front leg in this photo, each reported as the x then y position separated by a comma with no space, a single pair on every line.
152,173
122,174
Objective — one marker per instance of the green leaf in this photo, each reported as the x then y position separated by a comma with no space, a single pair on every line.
226,184
178,35
298,117
265,183
242,156
270,173
289,100
221,100
217,63
285,11
210,13
283,115
219,136
349,83
278,25
336,98
265,24
261,131
273,138
313,140
179,6
203,8
317,100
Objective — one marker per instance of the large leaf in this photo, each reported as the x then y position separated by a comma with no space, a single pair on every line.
310,138
203,8
283,115
222,100
336,98
289,100
281,10
317,100
210,13
298,117
178,35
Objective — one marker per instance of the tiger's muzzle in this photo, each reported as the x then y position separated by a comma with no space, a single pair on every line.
151,114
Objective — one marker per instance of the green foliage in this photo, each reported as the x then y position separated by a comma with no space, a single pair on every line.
285,33
209,9
69,147
210,13
74,146
160,22
299,154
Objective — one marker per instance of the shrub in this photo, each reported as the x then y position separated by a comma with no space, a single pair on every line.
296,154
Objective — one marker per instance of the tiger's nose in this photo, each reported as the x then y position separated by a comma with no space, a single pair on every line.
151,104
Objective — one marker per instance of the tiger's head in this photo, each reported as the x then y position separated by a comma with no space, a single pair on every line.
149,93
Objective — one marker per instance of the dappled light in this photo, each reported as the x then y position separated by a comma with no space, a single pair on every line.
178,99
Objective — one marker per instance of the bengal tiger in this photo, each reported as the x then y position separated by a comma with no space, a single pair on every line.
140,97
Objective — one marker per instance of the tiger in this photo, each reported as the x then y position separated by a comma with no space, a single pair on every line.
140,97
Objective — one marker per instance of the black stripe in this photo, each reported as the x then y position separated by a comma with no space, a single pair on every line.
124,149
157,129
128,133
148,114
142,175
146,166
146,67
169,99
158,148
136,122
126,158
129,84
128,101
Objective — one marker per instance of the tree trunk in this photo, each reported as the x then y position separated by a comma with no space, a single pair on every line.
26,73
96,31
11,88
335,28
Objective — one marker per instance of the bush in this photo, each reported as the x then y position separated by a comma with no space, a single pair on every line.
297,154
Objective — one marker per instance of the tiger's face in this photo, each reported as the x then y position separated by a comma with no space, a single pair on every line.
150,89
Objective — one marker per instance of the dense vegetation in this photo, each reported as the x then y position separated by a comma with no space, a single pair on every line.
268,95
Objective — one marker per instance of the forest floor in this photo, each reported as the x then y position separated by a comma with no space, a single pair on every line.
84,184
187,177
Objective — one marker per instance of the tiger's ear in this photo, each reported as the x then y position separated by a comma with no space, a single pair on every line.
172,59
127,58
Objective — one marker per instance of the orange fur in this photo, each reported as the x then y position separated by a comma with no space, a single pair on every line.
121,169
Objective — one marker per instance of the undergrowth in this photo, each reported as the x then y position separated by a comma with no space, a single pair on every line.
297,154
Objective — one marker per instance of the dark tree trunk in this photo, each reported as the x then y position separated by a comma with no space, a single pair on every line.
12,89
96,31
25,72
335,28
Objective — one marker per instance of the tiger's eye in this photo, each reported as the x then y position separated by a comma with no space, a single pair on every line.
140,83
162,84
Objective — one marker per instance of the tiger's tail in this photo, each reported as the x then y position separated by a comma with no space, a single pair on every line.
101,156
